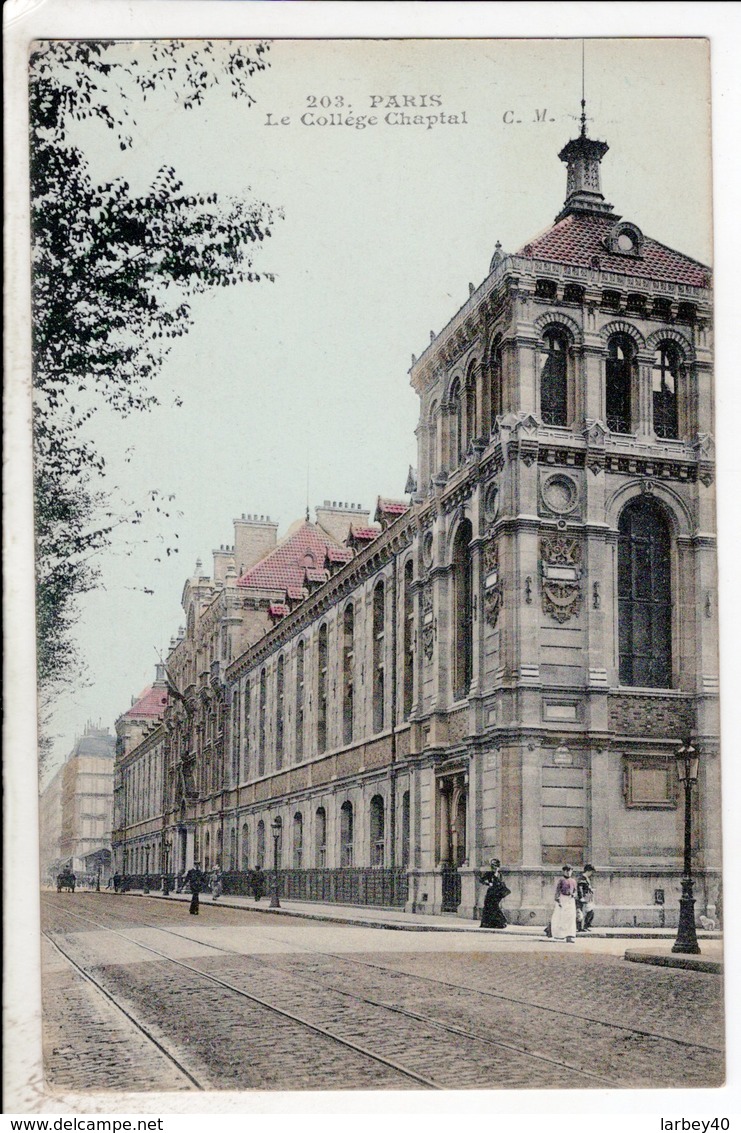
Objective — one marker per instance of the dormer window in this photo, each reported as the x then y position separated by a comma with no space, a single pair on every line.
625,239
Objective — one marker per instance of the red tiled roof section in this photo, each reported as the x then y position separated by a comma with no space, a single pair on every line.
365,532
151,702
283,568
338,554
579,237
278,610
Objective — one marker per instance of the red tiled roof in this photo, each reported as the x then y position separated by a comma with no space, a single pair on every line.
295,593
390,507
151,702
364,533
338,554
278,610
579,237
316,575
284,567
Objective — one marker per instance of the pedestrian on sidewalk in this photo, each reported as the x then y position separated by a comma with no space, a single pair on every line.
563,920
217,884
584,899
258,883
195,880
491,914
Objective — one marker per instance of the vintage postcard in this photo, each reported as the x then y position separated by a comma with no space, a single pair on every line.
377,616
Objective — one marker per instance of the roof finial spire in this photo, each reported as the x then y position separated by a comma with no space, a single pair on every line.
583,99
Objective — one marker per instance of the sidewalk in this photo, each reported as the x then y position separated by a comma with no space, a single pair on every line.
412,922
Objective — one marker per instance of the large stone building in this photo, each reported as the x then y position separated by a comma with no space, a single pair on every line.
506,665
76,808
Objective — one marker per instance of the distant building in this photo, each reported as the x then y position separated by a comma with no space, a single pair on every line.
76,808
506,666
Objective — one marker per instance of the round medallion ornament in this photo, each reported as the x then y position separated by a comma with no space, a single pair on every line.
560,494
491,502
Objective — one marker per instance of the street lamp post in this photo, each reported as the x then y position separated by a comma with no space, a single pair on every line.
687,761
276,828
165,876
97,880
146,868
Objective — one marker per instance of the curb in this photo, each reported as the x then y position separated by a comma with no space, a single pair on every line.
401,926
675,960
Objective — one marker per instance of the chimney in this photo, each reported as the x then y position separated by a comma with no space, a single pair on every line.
336,518
223,556
254,537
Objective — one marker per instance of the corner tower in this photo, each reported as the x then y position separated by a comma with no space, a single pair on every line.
567,562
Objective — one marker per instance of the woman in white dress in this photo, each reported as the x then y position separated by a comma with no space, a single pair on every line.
563,921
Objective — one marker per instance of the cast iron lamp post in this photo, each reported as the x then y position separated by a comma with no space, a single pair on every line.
97,880
165,875
276,828
146,867
687,761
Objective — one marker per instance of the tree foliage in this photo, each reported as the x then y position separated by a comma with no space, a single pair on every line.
112,274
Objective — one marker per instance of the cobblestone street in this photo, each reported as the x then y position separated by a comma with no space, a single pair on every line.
138,995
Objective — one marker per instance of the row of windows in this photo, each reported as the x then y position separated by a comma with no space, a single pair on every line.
636,303
293,850
473,406
620,371
255,696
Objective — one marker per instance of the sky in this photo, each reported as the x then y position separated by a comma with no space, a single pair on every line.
298,391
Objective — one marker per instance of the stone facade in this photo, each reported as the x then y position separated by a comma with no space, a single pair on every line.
506,666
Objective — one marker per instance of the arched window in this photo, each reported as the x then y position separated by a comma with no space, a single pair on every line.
348,655
621,353
462,610
554,378
405,829
320,837
245,846
665,384
233,849
456,425
321,717
236,734
408,643
495,383
379,684
433,449
261,844
644,596
471,408
347,835
300,674
247,733
377,831
298,840
207,851
219,856
261,722
280,680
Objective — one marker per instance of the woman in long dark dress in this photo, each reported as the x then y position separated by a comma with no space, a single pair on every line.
492,916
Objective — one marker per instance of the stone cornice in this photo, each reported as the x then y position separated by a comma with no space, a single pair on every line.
482,302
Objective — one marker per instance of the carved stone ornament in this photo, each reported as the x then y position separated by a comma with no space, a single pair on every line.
492,585
559,494
561,577
428,626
